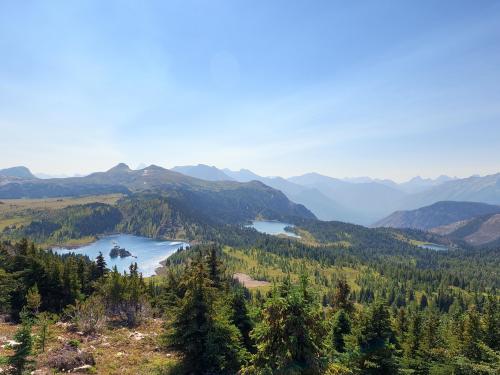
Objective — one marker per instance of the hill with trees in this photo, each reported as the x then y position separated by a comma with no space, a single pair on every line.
437,214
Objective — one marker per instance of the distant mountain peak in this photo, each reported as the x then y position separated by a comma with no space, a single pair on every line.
155,167
121,167
18,172
203,172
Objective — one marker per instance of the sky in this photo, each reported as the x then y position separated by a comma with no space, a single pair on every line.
344,88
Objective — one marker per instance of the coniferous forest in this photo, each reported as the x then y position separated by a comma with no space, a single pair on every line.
406,311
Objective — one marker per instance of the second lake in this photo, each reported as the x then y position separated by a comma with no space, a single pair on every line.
272,227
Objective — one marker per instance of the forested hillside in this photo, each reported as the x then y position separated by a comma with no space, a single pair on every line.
158,214
340,299
326,311
437,214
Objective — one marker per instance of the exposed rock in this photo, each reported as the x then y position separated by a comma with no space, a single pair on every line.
68,358
137,335
10,344
84,368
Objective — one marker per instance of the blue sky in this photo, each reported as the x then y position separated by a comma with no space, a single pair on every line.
380,88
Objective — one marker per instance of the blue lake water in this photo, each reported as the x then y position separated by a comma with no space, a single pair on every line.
434,246
149,252
272,227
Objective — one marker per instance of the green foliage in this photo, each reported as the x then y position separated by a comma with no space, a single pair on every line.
71,222
33,300
41,280
43,322
124,295
200,328
19,360
290,335
376,342
341,327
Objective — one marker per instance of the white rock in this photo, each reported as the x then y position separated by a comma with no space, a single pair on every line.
82,368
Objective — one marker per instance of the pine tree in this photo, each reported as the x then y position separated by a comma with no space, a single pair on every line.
414,335
214,272
43,321
430,331
376,342
240,317
491,323
472,335
33,300
200,328
19,359
412,354
290,336
423,302
101,266
401,323
341,327
341,300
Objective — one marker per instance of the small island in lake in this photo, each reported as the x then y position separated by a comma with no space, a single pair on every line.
118,251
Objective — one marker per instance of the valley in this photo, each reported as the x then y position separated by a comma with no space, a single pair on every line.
246,249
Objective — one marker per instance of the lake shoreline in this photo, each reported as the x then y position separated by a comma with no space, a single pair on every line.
74,246
149,254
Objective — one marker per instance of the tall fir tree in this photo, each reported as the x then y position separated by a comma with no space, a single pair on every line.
376,342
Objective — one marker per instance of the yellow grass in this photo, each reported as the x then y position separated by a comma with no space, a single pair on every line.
16,205
248,262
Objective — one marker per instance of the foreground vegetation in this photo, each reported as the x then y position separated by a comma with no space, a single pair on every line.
346,311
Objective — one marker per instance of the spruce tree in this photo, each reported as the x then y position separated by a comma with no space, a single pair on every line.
19,359
240,316
341,298
491,323
290,336
214,265
472,335
200,328
101,266
340,328
33,301
430,331
376,342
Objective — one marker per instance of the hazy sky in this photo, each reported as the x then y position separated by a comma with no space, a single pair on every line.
349,88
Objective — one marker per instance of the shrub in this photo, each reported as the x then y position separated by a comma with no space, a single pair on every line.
89,315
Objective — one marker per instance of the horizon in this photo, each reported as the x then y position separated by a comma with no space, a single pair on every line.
281,89
44,175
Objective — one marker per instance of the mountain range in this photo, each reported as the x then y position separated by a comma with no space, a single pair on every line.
473,223
363,200
222,201
360,200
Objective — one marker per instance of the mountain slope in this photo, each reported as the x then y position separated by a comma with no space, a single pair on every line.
365,201
221,201
479,231
204,172
18,172
243,175
418,184
323,207
472,189
437,215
